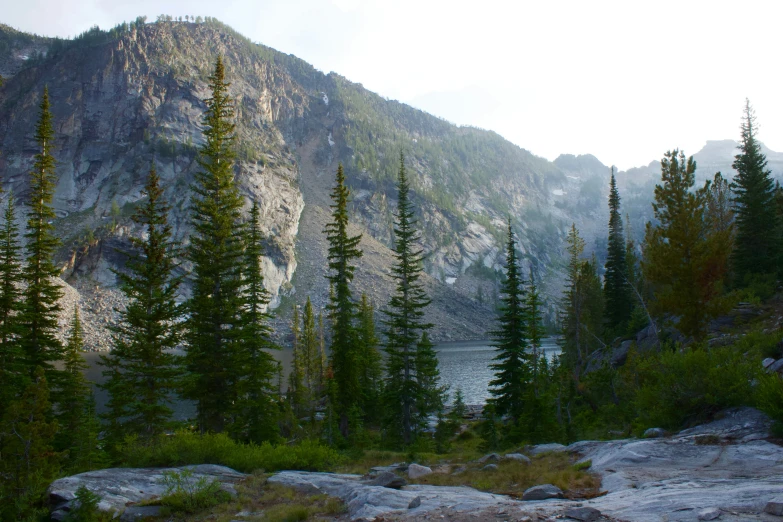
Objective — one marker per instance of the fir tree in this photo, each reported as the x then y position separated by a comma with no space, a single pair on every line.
12,369
142,372
616,292
311,356
535,332
41,308
256,415
343,253
411,389
369,361
513,364
757,245
296,379
216,251
29,462
685,261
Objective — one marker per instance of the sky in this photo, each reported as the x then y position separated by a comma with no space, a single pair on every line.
625,81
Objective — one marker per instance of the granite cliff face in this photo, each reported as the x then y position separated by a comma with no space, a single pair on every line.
133,95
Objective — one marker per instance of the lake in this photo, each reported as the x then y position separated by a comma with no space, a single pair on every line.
463,364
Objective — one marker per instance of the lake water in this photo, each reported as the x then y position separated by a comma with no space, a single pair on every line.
464,365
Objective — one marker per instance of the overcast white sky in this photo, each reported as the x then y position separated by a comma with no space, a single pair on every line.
624,80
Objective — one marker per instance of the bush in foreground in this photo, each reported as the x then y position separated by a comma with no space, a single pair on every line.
186,447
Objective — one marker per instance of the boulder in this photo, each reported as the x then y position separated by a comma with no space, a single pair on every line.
387,479
416,471
490,467
518,457
776,366
397,466
654,433
583,514
766,363
775,507
492,457
546,448
416,502
119,488
542,492
133,513
709,514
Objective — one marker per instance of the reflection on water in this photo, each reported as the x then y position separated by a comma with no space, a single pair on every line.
464,365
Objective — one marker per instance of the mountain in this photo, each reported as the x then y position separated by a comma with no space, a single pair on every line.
132,95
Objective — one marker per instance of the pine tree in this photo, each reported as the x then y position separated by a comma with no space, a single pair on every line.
12,370
685,261
216,251
41,308
370,368
757,245
343,253
513,364
74,390
256,411
535,332
616,292
29,462
142,372
311,356
410,389
296,379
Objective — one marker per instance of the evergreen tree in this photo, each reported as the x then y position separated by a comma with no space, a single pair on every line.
458,409
41,308
296,379
685,261
411,389
513,364
311,355
757,245
616,292
343,251
142,372
256,412
216,251
535,332
29,462
369,361
12,370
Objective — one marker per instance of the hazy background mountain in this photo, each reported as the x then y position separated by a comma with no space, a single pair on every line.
125,97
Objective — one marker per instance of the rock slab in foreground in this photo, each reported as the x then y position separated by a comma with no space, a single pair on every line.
368,502
122,487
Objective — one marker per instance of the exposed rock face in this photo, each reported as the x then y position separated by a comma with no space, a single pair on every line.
121,487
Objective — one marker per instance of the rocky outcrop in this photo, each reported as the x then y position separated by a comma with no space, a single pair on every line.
119,488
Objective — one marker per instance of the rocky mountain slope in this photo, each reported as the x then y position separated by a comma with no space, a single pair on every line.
133,95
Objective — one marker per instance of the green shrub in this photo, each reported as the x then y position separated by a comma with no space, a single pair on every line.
184,493
187,447
681,388
769,396
84,508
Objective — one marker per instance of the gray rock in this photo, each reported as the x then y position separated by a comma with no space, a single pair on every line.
367,502
546,448
518,457
766,363
654,433
709,514
416,471
387,479
776,366
542,492
492,457
774,507
397,466
133,513
416,502
490,467
120,487
583,514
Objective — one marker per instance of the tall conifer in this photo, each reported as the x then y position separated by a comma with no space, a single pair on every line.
412,381
616,291
12,368
343,253
757,245
142,372
41,308
257,411
513,364
216,251
370,362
